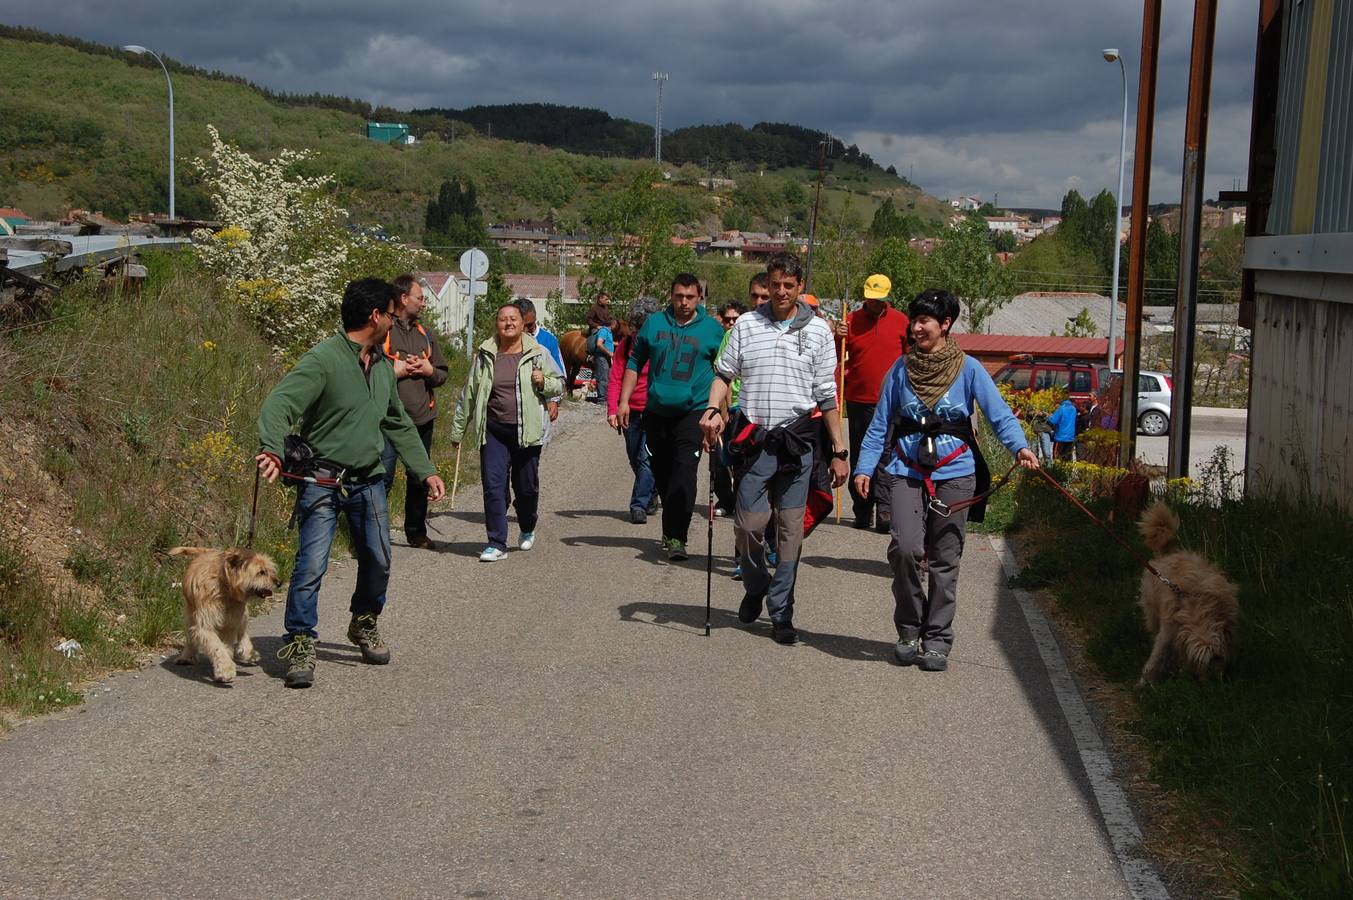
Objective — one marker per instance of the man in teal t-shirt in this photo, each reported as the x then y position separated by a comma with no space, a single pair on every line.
679,345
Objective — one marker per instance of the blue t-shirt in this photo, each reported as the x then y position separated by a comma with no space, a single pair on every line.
604,338
972,388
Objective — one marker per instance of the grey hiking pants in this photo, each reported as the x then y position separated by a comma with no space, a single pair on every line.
765,492
921,534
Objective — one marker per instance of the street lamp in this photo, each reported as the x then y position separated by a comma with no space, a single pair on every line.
1112,55
140,51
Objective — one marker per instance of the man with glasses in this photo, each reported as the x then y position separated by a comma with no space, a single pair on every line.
420,367
545,338
342,395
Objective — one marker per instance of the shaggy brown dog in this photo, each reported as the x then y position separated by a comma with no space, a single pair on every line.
1193,627
218,585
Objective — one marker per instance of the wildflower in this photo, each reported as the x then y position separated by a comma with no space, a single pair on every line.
208,346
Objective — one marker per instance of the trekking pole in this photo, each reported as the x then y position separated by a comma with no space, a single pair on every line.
841,405
709,547
455,479
253,510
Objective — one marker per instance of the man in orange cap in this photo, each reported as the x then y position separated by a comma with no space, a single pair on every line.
872,337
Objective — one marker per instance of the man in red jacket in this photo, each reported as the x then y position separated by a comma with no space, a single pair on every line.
873,337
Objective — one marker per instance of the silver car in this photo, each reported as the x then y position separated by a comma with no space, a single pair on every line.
1153,401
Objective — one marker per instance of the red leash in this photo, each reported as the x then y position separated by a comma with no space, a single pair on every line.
1146,563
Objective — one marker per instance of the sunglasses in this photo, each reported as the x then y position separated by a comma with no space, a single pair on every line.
729,320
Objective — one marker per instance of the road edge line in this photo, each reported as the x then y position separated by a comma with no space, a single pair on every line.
1125,835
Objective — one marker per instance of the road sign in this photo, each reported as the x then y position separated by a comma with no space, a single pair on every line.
472,288
474,264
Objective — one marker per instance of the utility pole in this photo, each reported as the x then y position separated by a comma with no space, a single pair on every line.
1190,228
817,200
659,77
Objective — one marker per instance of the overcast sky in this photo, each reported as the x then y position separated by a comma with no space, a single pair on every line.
982,97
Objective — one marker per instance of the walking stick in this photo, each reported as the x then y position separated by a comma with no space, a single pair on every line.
455,479
709,547
841,405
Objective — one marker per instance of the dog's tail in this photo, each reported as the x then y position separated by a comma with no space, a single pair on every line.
1158,526
189,551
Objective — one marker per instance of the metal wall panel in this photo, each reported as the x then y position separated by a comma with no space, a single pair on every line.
1296,43
1334,193
1298,440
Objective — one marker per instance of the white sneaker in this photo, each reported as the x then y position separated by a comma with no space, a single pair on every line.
491,554
528,540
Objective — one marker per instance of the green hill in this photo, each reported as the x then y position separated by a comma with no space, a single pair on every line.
84,125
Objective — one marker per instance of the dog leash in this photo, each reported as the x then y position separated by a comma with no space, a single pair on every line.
945,509
1146,563
253,511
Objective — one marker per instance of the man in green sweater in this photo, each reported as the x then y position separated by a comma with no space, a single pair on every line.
679,346
343,397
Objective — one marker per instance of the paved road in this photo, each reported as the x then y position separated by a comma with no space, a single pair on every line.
556,724
1212,428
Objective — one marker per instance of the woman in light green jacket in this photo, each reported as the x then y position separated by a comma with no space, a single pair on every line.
502,411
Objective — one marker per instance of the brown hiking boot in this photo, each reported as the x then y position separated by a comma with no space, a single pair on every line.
363,632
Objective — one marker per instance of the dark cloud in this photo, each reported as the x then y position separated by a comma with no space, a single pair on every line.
980,96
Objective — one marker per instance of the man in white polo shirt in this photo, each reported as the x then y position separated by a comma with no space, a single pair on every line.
786,358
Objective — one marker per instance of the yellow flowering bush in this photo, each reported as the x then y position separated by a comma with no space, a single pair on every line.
213,456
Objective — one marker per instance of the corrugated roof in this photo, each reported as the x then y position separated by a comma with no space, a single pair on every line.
1088,348
436,280
85,250
1049,313
539,286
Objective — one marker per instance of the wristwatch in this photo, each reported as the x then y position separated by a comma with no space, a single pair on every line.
841,454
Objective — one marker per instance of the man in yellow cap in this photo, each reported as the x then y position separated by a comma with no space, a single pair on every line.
872,338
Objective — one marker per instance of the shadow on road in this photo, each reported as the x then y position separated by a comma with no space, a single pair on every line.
268,664
692,619
870,565
474,517
621,515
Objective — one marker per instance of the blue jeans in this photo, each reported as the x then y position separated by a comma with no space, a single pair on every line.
1045,445
601,371
636,446
317,511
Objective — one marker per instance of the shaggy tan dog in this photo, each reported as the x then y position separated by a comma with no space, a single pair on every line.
1193,628
218,585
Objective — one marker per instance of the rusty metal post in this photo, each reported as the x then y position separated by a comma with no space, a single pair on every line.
1141,191
1190,233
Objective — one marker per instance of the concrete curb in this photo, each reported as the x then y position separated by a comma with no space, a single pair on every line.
1124,833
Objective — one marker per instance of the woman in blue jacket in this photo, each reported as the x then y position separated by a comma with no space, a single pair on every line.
922,431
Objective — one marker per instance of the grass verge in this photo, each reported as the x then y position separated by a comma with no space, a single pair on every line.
136,414
1262,756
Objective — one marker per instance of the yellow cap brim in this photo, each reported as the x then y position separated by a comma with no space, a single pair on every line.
874,295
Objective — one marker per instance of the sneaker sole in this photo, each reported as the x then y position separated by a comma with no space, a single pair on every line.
932,666
299,683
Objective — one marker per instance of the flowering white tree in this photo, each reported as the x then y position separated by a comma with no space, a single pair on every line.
284,251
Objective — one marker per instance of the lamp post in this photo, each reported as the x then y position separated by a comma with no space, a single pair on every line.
1112,55
140,51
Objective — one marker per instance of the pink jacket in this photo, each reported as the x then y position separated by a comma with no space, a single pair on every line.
639,398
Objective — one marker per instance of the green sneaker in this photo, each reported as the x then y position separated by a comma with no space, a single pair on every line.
363,632
676,550
299,651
